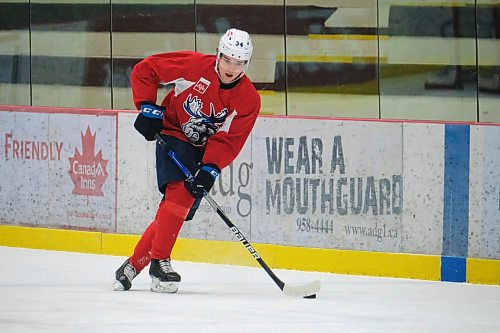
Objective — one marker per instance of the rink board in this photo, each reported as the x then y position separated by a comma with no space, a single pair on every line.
59,169
348,196
399,265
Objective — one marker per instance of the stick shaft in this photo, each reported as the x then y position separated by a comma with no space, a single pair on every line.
224,217
244,241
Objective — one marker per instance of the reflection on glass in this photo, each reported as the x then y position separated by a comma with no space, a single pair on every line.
331,59
488,17
370,59
141,29
430,72
264,22
14,53
70,54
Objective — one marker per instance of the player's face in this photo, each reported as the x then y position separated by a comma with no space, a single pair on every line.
230,68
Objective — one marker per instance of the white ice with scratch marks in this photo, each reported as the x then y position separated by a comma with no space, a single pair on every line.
48,291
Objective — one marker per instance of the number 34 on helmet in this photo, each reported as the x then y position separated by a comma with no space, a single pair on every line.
236,44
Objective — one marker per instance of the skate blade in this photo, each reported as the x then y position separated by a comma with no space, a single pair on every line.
158,286
118,286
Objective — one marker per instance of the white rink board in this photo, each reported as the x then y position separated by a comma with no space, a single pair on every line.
24,183
58,170
138,197
484,192
324,183
423,170
233,193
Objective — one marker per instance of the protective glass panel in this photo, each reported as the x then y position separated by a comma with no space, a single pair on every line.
264,20
488,23
143,28
429,68
330,67
14,53
70,53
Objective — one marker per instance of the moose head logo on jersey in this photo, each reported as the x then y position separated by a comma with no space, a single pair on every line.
200,126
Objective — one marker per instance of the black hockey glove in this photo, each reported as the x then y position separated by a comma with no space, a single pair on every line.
203,180
149,121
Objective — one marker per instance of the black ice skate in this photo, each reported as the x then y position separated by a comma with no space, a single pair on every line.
124,276
164,278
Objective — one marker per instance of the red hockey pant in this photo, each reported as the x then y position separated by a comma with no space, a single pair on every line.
159,238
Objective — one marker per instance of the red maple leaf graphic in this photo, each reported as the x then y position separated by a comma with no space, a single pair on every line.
88,171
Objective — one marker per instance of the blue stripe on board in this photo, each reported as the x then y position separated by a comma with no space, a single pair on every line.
453,269
456,190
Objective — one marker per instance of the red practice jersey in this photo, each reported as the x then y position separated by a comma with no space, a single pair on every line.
198,110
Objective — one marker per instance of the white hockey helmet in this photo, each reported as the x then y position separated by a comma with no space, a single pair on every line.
236,44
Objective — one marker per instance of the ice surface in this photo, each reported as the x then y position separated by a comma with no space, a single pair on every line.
49,291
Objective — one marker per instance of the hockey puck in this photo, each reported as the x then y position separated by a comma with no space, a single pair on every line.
310,296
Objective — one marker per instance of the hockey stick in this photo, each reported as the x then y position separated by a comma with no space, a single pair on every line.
308,290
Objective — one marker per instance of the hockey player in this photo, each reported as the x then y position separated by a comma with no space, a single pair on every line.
206,118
